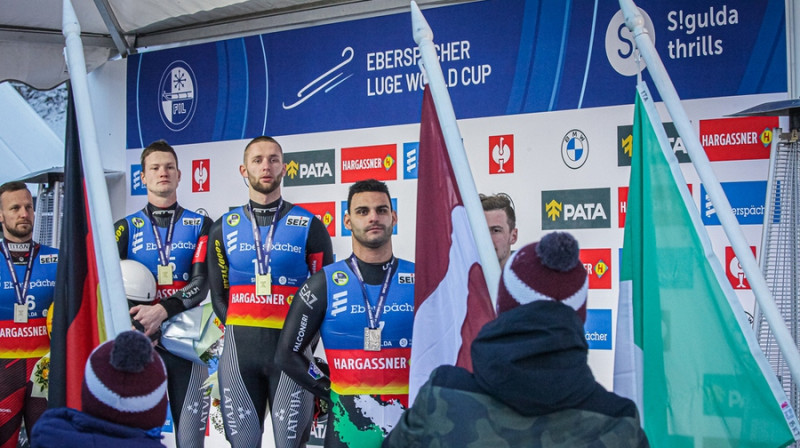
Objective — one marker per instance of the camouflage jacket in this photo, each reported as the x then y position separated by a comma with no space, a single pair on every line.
445,417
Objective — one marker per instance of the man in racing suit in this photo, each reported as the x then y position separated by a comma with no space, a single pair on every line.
363,308
260,254
172,242
27,278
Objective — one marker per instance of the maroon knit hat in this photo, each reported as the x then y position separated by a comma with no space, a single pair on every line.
125,382
548,270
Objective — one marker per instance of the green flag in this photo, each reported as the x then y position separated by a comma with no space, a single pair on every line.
685,351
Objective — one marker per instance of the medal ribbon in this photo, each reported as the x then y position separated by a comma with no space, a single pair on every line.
165,248
22,289
262,253
374,314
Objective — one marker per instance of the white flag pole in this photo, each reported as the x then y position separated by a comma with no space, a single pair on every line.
112,293
423,36
658,72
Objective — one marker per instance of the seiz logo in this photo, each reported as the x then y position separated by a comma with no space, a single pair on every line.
365,162
741,138
48,259
309,168
297,221
734,271
576,209
625,144
325,212
410,155
598,267
201,172
192,221
137,187
405,279
501,154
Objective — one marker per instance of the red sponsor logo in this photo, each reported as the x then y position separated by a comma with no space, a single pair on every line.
741,138
598,267
622,204
201,175
734,270
369,162
325,211
501,154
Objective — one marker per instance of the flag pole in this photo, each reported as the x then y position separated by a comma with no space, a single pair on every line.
635,22
423,36
112,293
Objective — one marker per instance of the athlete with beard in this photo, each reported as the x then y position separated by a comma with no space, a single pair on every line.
363,308
260,254
171,242
27,281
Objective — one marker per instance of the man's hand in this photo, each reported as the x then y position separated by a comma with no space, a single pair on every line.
150,317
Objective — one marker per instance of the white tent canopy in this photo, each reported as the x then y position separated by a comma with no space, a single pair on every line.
31,41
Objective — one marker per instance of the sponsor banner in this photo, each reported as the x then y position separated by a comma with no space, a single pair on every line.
622,204
740,138
501,154
574,149
625,144
346,232
746,198
325,211
410,156
281,83
369,162
355,372
734,270
28,340
309,168
598,267
598,329
137,187
201,176
250,310
576,209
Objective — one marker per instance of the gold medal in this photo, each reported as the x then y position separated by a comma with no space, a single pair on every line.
165,274
372,339
20,314
264,284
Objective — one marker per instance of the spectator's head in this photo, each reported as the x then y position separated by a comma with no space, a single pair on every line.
502,221
125,382
547,270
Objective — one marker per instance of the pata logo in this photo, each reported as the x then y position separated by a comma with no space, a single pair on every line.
576,209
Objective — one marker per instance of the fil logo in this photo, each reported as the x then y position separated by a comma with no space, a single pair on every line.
620,46
411,155
137,187
501,154
178,95
200,175
733,269
574,149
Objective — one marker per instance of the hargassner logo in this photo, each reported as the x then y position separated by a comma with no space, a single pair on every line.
137,187
625,144
576,209
620,46
325,211
178,95
377,162
598,267
574,149
309,168
743,138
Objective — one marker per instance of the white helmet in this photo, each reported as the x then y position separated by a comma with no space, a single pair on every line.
139,283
